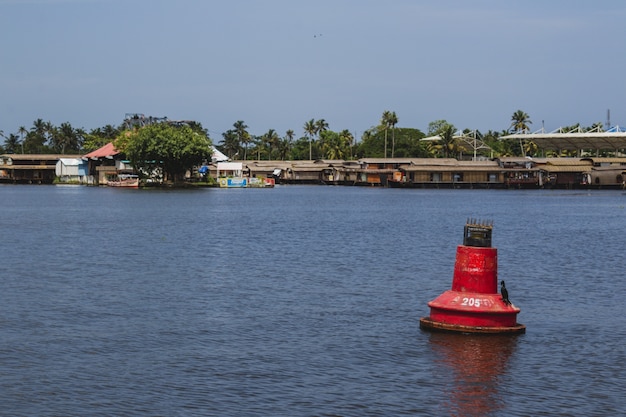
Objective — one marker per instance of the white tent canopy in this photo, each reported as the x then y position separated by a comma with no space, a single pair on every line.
613,139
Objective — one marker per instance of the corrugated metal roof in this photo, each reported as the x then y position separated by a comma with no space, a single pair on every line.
71,161
568,162
433,161
310,168
573,140
605,160
520,169
608,168
106,150
454,168
566,168
387,160
37,157
377,171
27,167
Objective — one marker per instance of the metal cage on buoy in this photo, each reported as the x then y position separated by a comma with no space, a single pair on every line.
473,305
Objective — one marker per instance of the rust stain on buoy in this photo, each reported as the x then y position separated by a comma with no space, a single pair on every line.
473,305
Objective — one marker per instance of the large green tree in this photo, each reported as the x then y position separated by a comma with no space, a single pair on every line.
171,149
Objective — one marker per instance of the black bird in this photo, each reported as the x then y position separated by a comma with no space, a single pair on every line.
505,293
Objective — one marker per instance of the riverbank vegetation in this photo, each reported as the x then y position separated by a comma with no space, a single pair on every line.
316,140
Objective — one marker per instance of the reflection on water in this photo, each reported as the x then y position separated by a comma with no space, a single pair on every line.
473,365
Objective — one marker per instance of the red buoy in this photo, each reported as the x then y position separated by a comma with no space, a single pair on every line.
473,305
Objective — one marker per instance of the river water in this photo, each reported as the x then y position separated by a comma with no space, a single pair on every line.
303,301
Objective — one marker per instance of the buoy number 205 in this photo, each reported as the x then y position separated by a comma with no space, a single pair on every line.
475,302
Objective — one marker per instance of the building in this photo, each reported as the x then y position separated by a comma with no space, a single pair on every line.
30,168
73,171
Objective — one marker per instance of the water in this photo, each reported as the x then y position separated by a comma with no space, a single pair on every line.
303,301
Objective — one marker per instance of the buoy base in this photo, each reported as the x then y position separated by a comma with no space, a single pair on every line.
427,324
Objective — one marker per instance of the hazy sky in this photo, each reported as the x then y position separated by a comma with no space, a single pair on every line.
278,63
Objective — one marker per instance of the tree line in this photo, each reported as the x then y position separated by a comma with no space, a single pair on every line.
316,141
46,138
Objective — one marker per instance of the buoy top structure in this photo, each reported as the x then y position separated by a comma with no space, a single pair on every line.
473,305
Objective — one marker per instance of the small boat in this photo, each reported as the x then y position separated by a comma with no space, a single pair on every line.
124,180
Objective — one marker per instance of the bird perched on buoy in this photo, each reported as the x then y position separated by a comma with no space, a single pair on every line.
505,293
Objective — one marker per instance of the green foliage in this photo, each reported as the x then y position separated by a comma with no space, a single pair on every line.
334,145
172,149
99,137
300,149
66,139
520,121
12,144
317,142
407,144
447,146
437,126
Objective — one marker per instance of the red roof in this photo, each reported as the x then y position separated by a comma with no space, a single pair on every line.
106,150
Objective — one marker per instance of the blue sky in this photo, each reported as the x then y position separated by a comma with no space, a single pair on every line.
277,63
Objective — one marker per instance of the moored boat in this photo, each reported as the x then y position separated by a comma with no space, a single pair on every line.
124,180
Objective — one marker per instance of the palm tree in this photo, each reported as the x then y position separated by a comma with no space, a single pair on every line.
332,145
39,127
259,142
64,138
11,143
530,148
110,132
384,124
446,144
289,135
284,146
50,130
520,121
347,138
596,127
23,132
310,129
243,136
393,121
272,139
35,139
231,142
320,126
